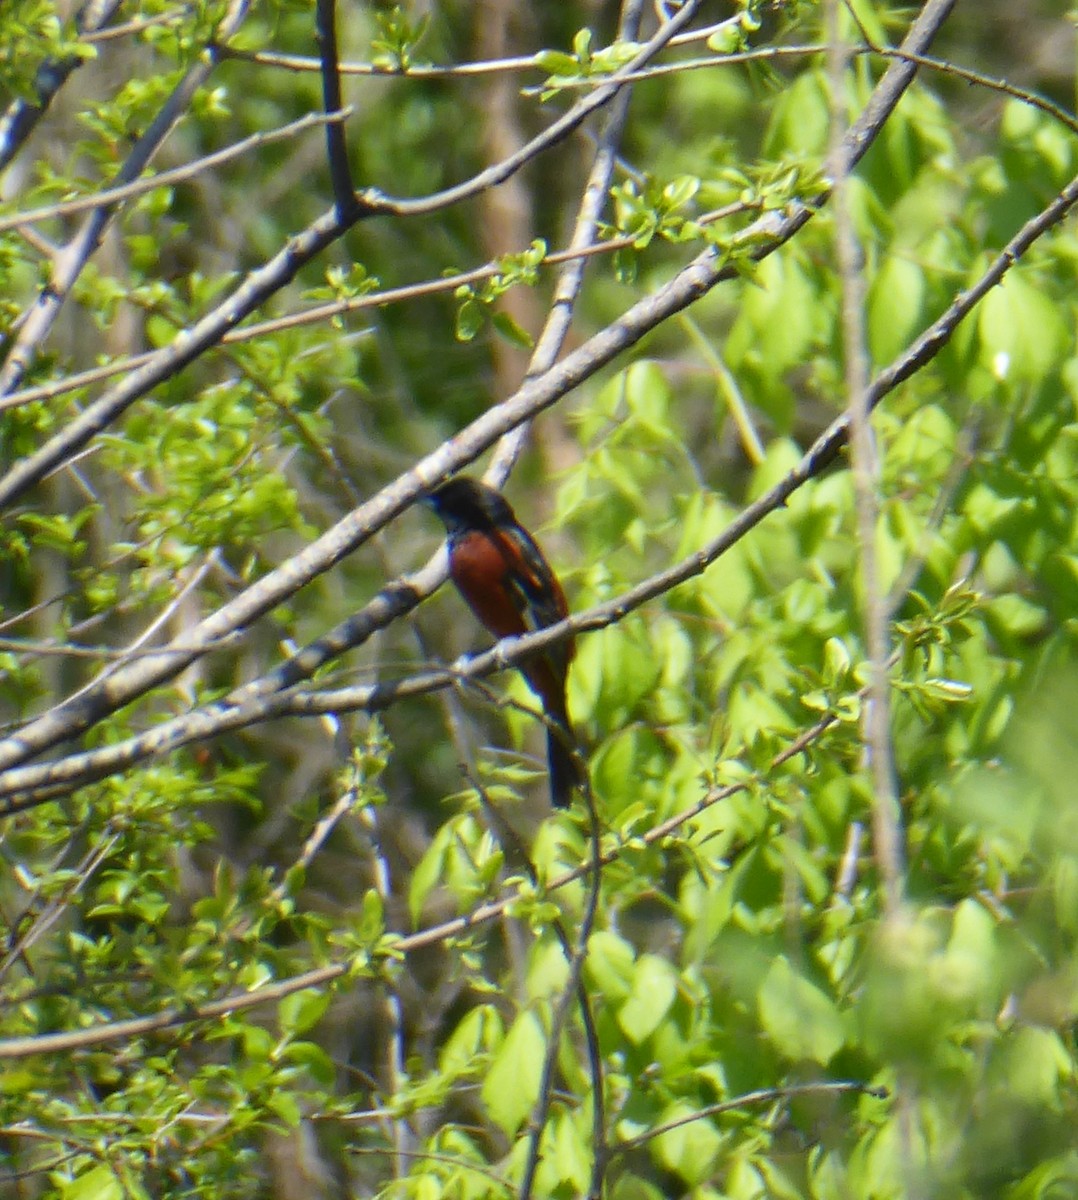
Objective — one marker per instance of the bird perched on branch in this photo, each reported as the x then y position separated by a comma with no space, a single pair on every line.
507,582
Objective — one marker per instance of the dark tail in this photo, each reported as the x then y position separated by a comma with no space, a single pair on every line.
564,772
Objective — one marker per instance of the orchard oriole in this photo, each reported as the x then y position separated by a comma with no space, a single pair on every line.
507,582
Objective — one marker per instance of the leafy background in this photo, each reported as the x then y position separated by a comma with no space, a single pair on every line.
340,947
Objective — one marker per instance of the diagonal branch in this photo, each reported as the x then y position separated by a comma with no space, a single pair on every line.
256,701
351,304
21,118
264,282
77,253
113,195
68,719
482,914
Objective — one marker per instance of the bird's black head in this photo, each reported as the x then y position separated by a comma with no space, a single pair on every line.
465,503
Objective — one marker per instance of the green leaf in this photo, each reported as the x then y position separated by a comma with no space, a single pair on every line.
511,331
1016,615
99,1183
556,62
372,922
479,1032
800,118
427,874
547,970
314,1060
470,318
611,965
691,1149
776,320
678,192
895,302
1064,881
647,394
511,1087
800,1020
286,1106
654,989
727,39
301,1010
1031,1066
569,1157
1022,330
952,691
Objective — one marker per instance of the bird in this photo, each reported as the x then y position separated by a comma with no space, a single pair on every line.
506,581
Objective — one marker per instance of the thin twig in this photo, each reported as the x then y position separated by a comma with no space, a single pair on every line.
52,1043
22,116
772,54
39,319
114,195
137,25
403,594
525,62
762,1096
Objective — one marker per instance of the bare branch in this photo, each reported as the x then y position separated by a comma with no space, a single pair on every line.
21,117
189,170
260,284
75,255
344,193
65,720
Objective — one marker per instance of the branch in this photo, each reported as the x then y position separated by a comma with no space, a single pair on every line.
259,285
21,117
515,63
338,308
164,363
865,469
52,1043
75,255
36,785
336,143
114,195
763,1096
773,54
67,720
555,133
